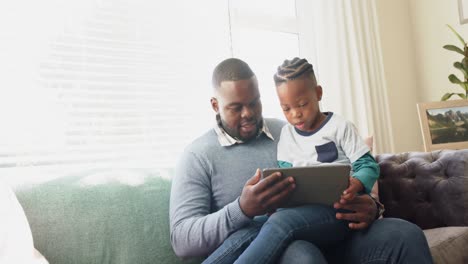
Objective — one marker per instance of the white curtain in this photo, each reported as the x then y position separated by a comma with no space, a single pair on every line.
345,47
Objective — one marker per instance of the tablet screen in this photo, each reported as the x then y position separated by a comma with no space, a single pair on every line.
321,184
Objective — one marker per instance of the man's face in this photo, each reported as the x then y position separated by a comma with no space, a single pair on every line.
238,104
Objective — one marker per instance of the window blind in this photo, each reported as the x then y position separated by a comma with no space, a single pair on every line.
128,84
122,83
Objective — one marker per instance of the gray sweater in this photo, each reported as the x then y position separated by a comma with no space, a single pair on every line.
204,206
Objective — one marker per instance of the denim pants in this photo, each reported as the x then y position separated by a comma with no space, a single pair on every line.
387,240
265,240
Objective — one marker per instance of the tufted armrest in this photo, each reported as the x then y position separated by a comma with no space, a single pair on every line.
429,189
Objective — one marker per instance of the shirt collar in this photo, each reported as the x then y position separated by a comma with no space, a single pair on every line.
227,140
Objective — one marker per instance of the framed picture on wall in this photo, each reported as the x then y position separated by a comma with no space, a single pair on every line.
463,11
444,124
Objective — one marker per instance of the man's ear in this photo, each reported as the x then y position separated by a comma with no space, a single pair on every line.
319,92
214,104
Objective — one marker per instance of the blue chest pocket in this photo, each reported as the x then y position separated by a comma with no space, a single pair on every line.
327,152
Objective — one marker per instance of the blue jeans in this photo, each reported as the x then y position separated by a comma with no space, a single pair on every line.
387,240
265,243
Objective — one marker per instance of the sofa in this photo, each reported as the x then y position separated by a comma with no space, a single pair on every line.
430,189
99,216
121,215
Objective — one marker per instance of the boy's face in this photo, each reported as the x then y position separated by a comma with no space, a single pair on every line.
300,102
238,104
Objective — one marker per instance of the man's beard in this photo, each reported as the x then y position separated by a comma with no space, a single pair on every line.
235,133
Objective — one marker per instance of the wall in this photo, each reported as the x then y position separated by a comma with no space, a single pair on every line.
400,71
416,66
434,63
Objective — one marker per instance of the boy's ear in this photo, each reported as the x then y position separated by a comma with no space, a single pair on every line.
214,104
319,92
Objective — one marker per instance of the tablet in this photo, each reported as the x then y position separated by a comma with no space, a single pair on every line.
322,184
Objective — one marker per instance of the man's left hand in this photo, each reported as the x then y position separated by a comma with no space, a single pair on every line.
363,211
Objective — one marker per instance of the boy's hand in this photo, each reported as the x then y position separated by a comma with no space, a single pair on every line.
355,186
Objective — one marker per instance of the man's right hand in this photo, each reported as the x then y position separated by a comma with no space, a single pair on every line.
263,196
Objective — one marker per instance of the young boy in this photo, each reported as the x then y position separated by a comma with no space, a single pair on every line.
312,137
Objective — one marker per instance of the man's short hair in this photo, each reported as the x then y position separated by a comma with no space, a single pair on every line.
231,69
294,69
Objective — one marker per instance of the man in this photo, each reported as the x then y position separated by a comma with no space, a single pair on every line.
214,195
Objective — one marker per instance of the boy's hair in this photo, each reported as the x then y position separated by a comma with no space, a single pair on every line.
294,69
231,69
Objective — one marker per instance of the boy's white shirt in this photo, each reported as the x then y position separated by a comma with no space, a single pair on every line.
300,150
16,242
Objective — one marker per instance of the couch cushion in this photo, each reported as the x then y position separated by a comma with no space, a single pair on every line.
448,244
101,216
429,189
16,241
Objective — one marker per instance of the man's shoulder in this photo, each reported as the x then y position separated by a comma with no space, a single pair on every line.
208,140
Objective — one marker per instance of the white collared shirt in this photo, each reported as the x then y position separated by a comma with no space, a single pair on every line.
227,140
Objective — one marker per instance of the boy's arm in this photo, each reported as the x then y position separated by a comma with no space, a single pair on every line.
367,171
195,230
365,168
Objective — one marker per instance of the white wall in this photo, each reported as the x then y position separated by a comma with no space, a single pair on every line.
400,72
434,63
416,66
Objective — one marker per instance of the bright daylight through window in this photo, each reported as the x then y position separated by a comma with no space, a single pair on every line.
104,83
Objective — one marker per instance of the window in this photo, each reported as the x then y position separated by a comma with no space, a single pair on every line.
120,83
264,37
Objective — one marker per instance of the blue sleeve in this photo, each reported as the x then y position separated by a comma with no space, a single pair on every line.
366,170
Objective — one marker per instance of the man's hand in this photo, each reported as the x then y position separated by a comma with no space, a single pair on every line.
264,196
363,210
